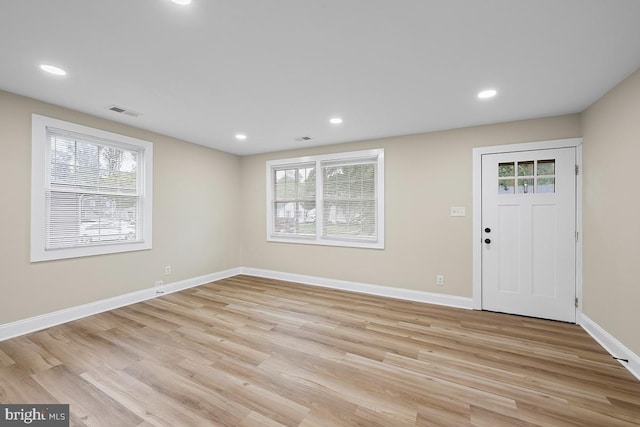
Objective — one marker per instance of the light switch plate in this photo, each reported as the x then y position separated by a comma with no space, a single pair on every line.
458,211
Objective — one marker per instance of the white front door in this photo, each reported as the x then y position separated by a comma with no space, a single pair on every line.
529,233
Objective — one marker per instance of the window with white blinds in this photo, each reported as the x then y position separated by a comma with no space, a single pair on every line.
335,199
90,191
350,200
294,200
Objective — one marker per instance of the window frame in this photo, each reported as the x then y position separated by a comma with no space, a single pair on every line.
40,169
374,155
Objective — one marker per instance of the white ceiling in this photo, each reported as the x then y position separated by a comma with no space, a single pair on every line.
279,69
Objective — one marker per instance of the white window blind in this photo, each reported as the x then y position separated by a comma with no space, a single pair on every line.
91,191
93,196
294,200
349,200
335,199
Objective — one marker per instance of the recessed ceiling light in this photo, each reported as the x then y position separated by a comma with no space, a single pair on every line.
53,70
489,93
181,2
335,120
241,136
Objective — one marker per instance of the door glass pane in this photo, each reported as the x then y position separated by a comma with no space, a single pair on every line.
526,173
525,186
506,186
525,168
506,169
546,185
546,167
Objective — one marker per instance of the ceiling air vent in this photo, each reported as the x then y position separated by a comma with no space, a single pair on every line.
302,138
124,111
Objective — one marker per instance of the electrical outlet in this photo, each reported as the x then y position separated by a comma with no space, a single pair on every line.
167,270
159,283
458,211
440,280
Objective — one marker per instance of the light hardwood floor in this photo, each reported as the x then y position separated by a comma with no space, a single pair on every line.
247,351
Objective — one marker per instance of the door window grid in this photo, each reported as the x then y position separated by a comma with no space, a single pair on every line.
527,177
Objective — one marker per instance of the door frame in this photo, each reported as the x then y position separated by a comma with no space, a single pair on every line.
478,152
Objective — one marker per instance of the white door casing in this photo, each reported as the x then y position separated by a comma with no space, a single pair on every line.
529,233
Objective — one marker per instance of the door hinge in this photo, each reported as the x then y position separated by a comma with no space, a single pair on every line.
577,169
576,302
577,236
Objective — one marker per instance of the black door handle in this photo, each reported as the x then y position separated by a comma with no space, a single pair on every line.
487,241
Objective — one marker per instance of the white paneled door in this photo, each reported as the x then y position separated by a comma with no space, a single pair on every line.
529,233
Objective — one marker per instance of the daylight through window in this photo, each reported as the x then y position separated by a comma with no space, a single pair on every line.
92,191
331,199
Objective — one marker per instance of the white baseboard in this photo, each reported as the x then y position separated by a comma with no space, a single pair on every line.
37,323
364,288
614,347
33,324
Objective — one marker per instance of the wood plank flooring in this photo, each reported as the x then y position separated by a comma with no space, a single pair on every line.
247,351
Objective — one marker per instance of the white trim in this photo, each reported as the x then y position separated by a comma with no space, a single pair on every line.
364,288
579,231
477,154
33,324
476,269
39,171
614,347
37,323
375,156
